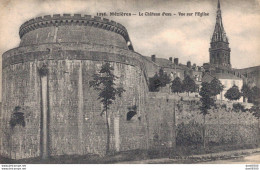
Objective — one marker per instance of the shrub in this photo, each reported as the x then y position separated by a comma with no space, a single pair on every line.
189,134
223,106
237,107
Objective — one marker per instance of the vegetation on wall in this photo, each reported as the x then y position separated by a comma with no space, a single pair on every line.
43,71
189,134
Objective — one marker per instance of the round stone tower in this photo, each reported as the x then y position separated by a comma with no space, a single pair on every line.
49,108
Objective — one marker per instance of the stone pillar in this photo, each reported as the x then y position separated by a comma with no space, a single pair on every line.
80,111
116,131
44,102
174,127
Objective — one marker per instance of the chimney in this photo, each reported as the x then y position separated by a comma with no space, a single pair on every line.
189,64
176,61
170,59
153,58
194,67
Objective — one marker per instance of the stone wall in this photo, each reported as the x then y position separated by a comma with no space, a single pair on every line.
75,125
223,125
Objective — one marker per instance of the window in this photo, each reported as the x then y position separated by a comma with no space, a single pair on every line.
130,115
17,117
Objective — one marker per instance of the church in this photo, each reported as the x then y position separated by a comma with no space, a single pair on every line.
220,65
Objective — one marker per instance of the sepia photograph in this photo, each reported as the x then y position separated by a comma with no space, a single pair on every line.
129,82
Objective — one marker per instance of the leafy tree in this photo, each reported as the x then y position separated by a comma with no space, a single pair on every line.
216,87
176,85
154,83
246,91
159,80
104,82
255,95
206,103
164,78
233,93
189,85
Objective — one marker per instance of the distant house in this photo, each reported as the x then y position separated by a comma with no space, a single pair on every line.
173,68
228,80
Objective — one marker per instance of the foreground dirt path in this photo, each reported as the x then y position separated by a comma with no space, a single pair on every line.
247,156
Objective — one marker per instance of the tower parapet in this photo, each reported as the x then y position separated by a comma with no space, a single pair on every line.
74,20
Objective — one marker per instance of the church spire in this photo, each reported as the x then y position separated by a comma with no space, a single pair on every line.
219,33
219,47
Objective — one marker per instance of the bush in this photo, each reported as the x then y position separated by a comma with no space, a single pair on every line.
223,106
237,107
189,134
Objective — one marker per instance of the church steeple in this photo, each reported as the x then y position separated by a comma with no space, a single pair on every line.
219,45
219,33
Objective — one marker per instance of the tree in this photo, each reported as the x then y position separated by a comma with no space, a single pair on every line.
159,80
256,112
216,87
164,78
246,91
233,93
176,86
104,82
206,103
189,85
255,95
154,83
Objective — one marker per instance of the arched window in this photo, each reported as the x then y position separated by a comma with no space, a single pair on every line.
17,117
130,115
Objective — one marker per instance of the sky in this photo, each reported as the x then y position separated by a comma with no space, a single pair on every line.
185,37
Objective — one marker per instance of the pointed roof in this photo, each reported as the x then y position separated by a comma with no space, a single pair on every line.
218,4
219,33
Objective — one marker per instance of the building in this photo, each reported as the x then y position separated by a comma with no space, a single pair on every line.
219,46
219,55
252,75
46,85
173,68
